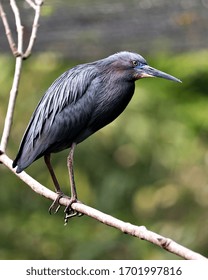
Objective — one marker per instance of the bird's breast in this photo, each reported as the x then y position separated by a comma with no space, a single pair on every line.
110,103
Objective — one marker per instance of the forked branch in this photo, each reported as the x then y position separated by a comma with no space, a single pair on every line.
36,6
18,53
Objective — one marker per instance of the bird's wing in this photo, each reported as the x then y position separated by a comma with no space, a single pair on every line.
65,91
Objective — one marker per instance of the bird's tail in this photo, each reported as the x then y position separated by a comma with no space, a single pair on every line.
25,157
17,163
20,163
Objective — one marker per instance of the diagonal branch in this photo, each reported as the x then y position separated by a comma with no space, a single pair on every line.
32,4
36,6
8,31
138,231
19,27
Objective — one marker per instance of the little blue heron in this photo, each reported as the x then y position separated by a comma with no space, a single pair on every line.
78,103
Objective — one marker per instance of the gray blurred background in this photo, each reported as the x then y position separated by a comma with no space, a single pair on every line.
89,29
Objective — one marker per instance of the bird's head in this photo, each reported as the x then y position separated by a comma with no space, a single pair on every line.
136,66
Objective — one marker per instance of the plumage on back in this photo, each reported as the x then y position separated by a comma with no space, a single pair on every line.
65,91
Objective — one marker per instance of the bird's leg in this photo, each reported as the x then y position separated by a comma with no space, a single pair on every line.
55,205
69,211
71,172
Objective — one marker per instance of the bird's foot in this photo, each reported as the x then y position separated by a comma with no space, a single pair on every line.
69,212
55,206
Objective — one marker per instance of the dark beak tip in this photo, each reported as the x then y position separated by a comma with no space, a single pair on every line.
174,80
177,81
152,72
168,77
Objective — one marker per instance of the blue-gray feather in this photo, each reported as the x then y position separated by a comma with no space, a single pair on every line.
50,120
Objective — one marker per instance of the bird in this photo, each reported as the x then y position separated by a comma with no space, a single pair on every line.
78,103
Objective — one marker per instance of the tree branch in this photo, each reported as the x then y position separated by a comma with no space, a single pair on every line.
11,105
15,85
8,31
36,6
18,26
18,53
138,231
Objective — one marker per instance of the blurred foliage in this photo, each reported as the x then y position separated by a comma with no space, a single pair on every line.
149,167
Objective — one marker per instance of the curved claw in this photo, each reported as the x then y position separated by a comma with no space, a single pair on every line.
55,205
70,213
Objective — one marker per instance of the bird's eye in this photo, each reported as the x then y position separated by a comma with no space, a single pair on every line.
135,63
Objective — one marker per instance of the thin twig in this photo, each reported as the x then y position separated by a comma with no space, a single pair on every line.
137,231
19,27
8,31
35,26
31,3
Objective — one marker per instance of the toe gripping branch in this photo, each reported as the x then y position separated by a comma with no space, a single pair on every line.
69,212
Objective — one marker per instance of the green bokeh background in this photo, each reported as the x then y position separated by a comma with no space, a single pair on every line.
149,167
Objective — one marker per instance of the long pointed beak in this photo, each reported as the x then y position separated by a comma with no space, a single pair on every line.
147,71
